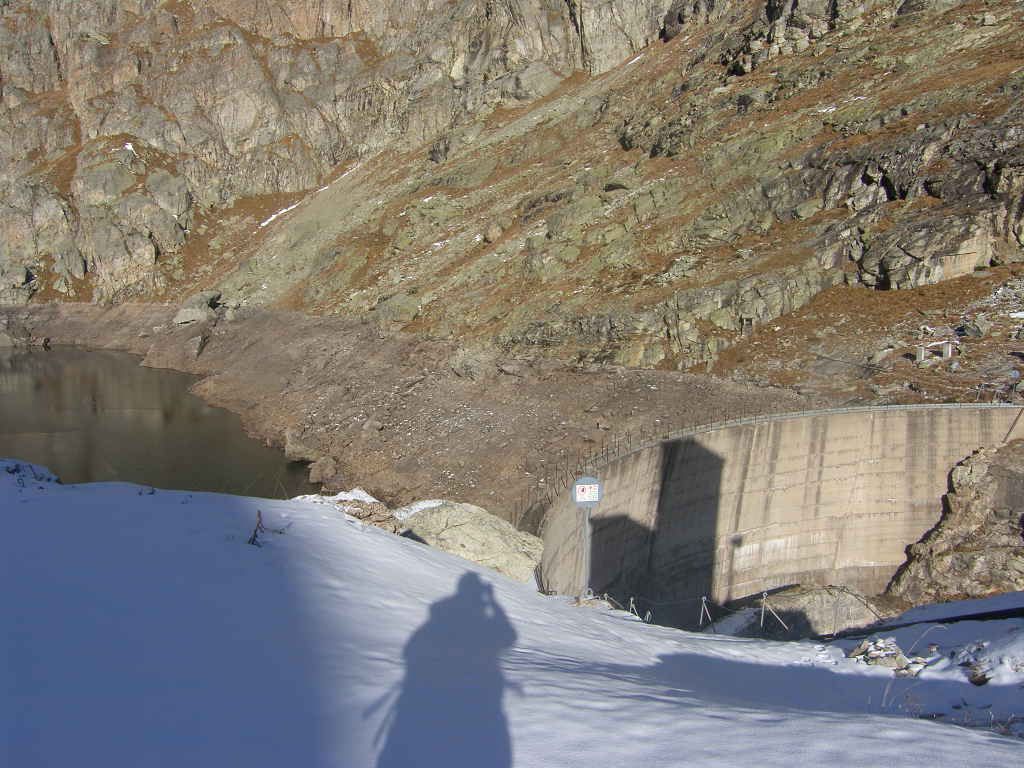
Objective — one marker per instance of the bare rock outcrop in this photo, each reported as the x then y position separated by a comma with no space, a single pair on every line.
465,530
474,534
120,121
977,548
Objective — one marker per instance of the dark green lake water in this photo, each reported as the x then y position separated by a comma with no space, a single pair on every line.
95,415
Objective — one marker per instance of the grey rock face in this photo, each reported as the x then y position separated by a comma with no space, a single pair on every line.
13,333
920,6
978,328
194,347
395,312
198,309
297,448
977,549
6,338
169,109
169,192
203,300
537,80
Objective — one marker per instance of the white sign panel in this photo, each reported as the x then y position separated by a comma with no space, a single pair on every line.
587,492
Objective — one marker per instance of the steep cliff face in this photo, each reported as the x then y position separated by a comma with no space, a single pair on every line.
123,120
630,181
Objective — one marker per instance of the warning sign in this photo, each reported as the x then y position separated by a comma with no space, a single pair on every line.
587,491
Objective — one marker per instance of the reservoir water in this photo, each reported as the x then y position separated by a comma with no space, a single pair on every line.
96,415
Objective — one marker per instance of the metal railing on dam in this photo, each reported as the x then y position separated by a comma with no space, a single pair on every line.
728,509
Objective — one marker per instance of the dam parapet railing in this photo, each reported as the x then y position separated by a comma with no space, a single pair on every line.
728,508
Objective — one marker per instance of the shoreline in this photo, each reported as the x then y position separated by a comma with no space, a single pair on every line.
393,415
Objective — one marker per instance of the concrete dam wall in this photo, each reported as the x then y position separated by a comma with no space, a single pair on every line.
730,510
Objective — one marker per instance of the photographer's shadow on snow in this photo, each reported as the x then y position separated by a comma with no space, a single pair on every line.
449,709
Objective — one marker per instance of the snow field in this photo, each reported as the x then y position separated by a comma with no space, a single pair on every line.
141,629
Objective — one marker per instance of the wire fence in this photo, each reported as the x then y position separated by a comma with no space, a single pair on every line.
710,613
756,609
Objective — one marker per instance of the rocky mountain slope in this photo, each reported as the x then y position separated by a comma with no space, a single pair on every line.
637,182
124,122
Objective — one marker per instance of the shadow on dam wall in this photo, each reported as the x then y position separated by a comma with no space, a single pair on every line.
665,563
732,510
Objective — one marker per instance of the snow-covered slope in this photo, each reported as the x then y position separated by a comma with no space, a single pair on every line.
140,629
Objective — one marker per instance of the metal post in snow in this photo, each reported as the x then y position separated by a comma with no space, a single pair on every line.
835,614
587,547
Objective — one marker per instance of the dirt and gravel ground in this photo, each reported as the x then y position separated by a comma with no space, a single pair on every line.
393,413
856,346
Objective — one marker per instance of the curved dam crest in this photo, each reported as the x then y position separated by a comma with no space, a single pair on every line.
730,510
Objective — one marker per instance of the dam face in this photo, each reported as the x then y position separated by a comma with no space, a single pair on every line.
726,511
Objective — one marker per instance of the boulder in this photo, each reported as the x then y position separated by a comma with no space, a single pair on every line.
473,363
476,535
512,368
537,80
13,333
169,191
884,652
187,315
296,448
195,345
198,308
395,312
325,472
493,232
978,328
203,300
465,530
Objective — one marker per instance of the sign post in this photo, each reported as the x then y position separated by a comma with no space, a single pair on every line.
587,492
